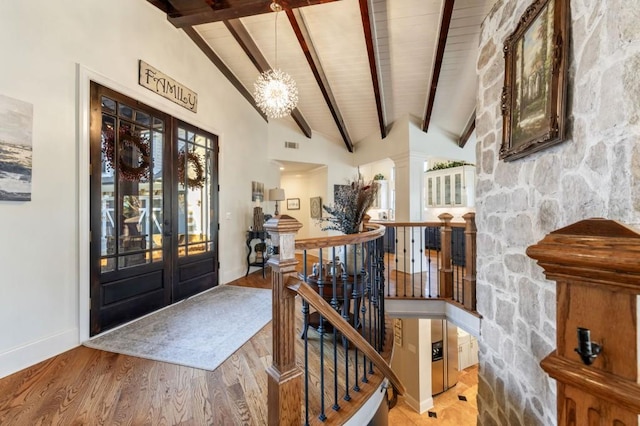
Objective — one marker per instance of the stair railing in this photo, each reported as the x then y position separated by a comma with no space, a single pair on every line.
432,260
343,335
343,281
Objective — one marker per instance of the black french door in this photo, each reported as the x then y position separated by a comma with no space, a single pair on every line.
154,209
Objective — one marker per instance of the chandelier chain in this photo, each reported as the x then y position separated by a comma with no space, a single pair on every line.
276,37
275,92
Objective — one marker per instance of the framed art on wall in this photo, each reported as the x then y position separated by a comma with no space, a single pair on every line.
16,128
293,203
535,83
316,207
257,191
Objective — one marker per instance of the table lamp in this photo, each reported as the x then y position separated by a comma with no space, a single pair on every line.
276,194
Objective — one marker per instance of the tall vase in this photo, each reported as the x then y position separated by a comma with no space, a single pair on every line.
352,258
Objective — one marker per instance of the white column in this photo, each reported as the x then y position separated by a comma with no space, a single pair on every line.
409,184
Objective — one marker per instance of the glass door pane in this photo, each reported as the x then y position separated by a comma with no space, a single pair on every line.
457,179
196,153
131,187
447,190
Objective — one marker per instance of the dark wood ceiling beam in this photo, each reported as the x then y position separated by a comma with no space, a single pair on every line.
468,129
242,36
300,29
368,36
437,66
195,12
163,5
199,41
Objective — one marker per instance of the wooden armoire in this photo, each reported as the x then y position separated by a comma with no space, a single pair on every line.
596,265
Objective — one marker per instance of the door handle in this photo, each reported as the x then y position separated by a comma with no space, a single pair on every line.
167,228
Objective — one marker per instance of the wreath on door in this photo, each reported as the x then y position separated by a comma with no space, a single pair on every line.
135,169
187,162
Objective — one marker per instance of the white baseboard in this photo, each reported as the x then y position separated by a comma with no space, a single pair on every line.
420,406
412,402
426,404
32,353
226,276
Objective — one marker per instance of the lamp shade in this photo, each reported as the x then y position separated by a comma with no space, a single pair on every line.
276,194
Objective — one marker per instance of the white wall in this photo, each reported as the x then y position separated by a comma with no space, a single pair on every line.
42,242
437,144
305,186
386,190
321,150
407,136
412,362
318,149
373,148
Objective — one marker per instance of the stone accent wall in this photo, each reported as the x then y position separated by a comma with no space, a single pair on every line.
595,173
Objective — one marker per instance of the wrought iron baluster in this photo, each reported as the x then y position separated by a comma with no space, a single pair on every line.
334,305
356,386
413,264
305,326
321,332
345,315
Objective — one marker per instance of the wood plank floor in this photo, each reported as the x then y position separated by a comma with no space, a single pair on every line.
85,386
449,408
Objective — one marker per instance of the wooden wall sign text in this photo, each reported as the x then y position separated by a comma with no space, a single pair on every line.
167,87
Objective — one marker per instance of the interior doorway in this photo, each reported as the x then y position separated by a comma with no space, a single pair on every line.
153,209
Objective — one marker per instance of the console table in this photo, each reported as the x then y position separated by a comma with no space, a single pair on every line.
262,236
355,289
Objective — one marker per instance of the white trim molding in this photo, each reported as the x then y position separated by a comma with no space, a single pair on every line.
433,309
32,353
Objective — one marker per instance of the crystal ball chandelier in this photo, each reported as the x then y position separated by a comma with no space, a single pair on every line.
275,92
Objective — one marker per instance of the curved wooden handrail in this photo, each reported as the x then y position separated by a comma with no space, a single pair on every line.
374,231
326,310
408,224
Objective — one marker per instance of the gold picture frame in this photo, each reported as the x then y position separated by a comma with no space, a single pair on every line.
535,83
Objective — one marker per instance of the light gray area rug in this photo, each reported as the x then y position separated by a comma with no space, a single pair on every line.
199,332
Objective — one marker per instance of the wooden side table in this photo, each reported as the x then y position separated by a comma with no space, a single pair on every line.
262,263
355,290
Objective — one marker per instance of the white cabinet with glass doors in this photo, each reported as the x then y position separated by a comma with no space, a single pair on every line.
454,187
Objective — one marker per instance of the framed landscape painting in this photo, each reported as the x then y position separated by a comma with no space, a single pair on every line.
16,124
535,83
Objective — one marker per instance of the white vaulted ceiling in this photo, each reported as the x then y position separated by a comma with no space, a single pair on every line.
405,36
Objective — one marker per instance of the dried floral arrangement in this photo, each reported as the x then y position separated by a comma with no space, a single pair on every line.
350,206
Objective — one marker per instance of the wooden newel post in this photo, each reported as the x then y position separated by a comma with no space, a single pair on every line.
469,280
596,363
284,377
446,268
